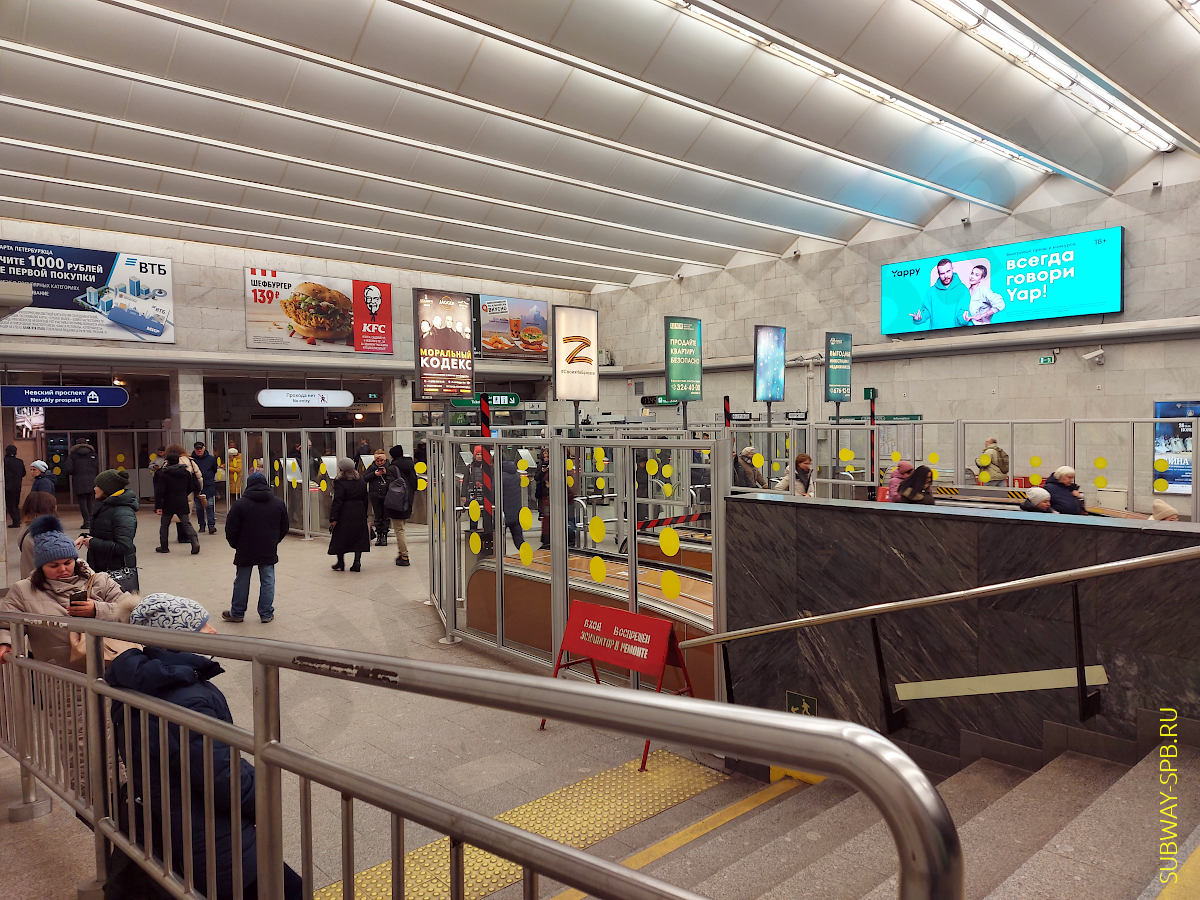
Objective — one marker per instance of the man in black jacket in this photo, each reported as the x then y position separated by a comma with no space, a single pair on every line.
83,467
172,485
378,476
14,474
206,509
402,467
256,524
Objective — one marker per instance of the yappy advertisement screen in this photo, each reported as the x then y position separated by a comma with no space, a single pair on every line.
1050,278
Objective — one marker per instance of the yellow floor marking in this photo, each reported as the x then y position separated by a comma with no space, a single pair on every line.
1188,882
704,826
1039,680
578,815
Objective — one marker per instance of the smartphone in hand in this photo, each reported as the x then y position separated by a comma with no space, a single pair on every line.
77,597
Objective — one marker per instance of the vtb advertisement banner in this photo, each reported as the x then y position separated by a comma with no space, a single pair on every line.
442,332
683,356
294,311
90,294
1069,275
576,365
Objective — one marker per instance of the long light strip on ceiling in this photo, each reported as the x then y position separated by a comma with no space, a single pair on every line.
130,125
311,242
325,223
717,112
88,65
329,198
1188,9
975,20
387,78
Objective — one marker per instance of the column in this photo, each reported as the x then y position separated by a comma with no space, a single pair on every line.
397,402
187,405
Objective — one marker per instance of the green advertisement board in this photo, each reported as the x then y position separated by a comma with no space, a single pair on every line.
837,366
683,358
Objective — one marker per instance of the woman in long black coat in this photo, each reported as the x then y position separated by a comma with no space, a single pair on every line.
348,517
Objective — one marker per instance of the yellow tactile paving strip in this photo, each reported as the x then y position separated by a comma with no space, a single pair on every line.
578,815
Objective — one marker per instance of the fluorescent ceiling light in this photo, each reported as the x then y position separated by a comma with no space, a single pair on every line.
130,125
156,220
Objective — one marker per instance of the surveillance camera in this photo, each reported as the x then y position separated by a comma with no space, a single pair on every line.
1156,184
966,220
1097,355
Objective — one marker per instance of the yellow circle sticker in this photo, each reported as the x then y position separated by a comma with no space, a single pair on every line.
845,454
526,554
933,458
600,483
598,453
473,510
596,529
1100,481
154,456
652,467
522,464
525,517
668,470
57,470
476,543
120,457
895,456
984,460
601,465
1160,485
524,481
787,443
670,585
849,468
757,460
570,464
422,484
1035,461
935,474
985,477
1035,480
56,458
598,569
668,490
420,468
276,465
1100,462
570,481
1161,465
276,481
119,469
775,466
321,470
705,452
668,541
324,485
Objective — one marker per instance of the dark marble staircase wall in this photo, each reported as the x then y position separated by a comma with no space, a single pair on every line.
788,558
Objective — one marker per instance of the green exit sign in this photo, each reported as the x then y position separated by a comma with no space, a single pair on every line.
1046,360
495,401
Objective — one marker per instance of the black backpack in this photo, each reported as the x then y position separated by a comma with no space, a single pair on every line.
398,501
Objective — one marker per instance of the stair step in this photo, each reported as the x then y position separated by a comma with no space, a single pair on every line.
869,858
1111,848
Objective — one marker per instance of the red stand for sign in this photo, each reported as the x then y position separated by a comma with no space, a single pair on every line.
618,637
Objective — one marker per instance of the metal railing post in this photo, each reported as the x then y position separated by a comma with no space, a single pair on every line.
94,717
268,786
31,806
1089,703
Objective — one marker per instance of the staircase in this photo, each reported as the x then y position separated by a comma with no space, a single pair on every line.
1079,827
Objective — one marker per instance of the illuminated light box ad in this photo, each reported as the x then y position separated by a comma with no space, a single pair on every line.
770,344
684,358
1173,446
1050,278
509,328
442,331
294,311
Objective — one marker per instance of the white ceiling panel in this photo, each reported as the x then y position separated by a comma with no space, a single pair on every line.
114,140
267,131
767,89
46,128
100,32
620,34
117,202
697,60
213,191
38,162
595,105
536,19
664,127
307,179
515,79
12,18
951,76
182,112
331,28
120,176
253,198
830,27
31,78
336,95
503,139
418,47
435,121
387,194
876,48
242,70
825,113
228,162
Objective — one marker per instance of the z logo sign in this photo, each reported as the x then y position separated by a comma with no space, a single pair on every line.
582,343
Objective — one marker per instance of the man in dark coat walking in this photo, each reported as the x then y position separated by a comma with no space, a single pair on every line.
402,467
14,474
206,509
256,524
172,485
83,467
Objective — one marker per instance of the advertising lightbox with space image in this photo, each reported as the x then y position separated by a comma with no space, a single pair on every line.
1048,278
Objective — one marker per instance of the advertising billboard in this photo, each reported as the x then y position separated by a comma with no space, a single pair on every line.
1173,446
442,333
508,328
294,311
770,346
576,367
1048,278
839,349
683,357
90,294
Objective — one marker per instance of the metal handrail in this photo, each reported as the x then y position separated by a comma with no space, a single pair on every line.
926,840
1083,573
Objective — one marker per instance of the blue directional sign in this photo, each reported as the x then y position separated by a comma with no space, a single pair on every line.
62,395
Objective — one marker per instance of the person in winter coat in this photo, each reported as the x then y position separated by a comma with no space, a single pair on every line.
993,460
185,459
1065,495
1037,500
1164,511
34,507
348,517
83,467
402,467
42,479
801,474
377,478
233,465
114,524
903,469
14,474
206,497
172,485
185,679
745,473
541,493
510,493
256,524
918,487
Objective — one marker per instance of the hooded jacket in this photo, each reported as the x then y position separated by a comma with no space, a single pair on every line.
945,304
83,467
1063,499
172,484
14,470
256,524
903,469
114,524
185,680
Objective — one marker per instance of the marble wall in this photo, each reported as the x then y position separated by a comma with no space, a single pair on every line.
788,558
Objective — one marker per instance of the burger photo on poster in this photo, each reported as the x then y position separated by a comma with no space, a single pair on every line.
319,313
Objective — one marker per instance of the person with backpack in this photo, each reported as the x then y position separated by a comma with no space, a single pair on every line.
378,476
993,459
398,501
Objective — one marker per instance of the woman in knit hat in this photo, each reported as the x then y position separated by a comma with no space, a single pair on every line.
1164,512
1037,500
36,505
114,524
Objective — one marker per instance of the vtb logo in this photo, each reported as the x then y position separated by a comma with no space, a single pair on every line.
581,343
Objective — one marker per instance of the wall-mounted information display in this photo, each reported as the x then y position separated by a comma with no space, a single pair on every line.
1070,275
838,351
684,358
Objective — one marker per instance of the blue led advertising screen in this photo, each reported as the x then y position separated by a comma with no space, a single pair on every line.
770,342
1049,278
